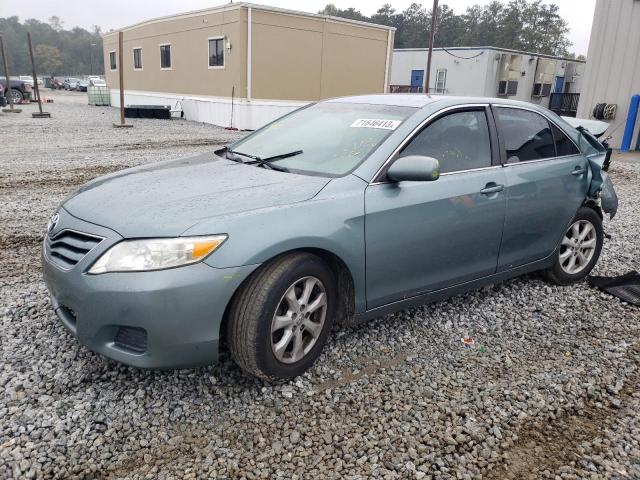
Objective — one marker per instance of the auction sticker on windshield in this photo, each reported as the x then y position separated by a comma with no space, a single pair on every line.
376,123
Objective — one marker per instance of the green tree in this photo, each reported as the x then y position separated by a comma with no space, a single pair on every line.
350,13
518,24
48,59
74,47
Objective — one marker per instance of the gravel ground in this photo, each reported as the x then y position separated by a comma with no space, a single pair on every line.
550,389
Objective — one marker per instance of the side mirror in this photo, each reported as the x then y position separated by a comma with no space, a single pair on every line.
414,168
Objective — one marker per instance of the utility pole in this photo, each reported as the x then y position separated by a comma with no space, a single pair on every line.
8,78
434,15
36,87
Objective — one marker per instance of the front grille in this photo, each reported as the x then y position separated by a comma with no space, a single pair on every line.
68,247
133,339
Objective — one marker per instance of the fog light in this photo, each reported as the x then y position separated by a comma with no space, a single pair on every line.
133,339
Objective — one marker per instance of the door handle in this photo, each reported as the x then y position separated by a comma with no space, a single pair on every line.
491,188
578,171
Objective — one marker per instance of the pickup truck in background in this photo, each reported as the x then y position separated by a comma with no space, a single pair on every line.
19,89
3,99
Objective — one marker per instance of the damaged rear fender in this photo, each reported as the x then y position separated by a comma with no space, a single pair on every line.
601,188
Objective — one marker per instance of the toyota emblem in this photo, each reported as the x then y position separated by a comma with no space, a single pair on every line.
53,221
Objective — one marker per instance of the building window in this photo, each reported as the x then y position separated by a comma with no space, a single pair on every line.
441,80
537,89
137,59
541,89
216,52
507,87
165,56
112,60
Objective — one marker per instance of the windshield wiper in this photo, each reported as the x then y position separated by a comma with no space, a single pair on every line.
265,162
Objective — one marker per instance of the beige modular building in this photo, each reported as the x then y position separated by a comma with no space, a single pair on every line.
259,62
613,64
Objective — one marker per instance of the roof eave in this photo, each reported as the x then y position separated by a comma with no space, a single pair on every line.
239,5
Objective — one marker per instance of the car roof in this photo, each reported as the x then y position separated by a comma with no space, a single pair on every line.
420,100
393,99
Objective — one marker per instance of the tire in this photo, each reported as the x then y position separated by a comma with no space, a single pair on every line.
252,333
17,95
585,251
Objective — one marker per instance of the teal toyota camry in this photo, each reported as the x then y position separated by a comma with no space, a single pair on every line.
341,211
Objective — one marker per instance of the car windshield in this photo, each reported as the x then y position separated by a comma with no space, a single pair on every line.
334,137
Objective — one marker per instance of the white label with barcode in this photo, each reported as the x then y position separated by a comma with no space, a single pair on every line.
376,123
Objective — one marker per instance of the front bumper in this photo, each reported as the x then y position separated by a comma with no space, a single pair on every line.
170,317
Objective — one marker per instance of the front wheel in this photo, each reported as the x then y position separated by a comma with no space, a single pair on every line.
17,95
280,319
579,248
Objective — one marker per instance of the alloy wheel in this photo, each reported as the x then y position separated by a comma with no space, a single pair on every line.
298,320
17,96
577,247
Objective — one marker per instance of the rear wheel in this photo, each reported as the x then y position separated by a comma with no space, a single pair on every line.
280,320
579,248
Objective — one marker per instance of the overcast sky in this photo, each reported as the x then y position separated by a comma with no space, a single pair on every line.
110,14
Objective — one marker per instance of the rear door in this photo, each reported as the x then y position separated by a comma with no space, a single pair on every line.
546,182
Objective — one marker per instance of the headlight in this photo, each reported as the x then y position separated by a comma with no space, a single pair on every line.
156,254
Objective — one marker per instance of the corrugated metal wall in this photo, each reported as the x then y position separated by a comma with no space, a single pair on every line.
613,62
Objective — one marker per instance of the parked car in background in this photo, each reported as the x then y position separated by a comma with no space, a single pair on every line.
3,99
26,78
82,85
341,211
20,90
71,83
57,83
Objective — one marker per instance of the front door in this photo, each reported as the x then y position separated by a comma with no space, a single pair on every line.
425,236
417,78
546,182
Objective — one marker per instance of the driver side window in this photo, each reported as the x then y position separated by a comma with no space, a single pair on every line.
459,141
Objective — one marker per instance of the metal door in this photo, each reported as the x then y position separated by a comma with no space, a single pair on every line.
417,78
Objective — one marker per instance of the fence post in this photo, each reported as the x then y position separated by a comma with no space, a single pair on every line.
36,88
121,75
5,61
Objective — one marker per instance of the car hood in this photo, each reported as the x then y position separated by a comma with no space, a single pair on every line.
167,198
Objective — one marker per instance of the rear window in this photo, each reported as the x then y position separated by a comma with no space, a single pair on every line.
564,145
527,135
